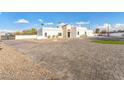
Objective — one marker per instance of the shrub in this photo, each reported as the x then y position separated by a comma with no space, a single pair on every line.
49,37
31,31
53,36
83,36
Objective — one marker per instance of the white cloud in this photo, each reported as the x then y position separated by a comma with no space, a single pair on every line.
50,23
22,21
40,20
61,24
104,25
83,23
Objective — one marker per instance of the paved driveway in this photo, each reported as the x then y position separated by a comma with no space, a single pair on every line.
76,59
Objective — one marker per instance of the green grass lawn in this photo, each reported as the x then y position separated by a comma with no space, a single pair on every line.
109,41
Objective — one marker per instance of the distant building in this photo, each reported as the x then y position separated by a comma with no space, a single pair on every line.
2,34
6,36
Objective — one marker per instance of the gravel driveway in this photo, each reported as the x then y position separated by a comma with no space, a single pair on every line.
76,59
16,66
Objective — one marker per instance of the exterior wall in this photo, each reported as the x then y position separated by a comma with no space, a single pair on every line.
90,33
73,32
64,32
48,32
82,31
19,37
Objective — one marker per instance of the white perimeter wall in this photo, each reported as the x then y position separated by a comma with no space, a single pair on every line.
19,37
82,31
90,33
116,34
50,32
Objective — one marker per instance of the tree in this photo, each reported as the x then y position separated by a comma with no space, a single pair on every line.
17,33
31,31
42,24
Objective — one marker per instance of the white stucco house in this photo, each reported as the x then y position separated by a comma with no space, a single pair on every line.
64,32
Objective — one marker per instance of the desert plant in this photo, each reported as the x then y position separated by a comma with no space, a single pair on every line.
49,37
83,36
31,31
97,31
53,36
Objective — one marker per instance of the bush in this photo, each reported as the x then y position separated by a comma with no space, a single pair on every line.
53,36
97,30
49,37
83,36
32,31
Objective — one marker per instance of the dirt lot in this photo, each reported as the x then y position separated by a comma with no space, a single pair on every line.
75,59
14,65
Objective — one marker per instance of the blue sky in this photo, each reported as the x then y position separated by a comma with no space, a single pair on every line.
25,20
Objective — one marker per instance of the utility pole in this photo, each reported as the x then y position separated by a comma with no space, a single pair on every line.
108,34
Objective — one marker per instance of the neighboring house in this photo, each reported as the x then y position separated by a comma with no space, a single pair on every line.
65,32
2,34
7,36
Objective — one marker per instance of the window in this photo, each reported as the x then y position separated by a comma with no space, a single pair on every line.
59,34
69,34
45,34
78,33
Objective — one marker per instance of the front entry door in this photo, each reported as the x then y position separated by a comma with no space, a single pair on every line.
68,34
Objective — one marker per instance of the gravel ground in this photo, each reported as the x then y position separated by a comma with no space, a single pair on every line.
76,59
15,66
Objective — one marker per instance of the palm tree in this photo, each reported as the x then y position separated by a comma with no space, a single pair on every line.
42,24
